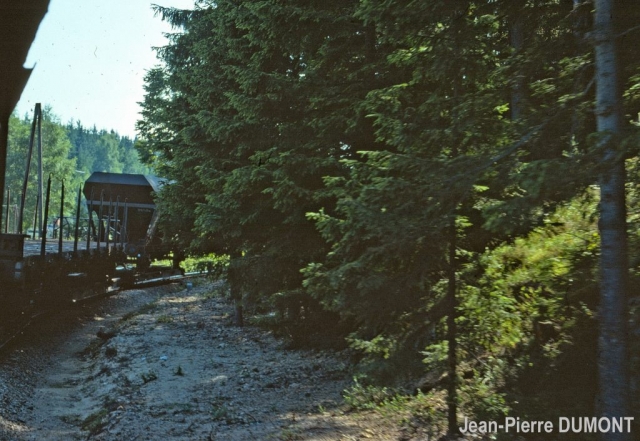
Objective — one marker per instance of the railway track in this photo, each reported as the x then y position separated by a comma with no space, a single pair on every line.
18,325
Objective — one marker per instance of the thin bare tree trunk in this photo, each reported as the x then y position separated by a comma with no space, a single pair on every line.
235,288
516,39
4,142
452,335
612,344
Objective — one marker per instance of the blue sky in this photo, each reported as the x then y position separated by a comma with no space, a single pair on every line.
90,59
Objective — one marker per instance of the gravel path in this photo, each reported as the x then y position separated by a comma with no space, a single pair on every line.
169,365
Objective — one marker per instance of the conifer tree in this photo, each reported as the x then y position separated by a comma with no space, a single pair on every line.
387,149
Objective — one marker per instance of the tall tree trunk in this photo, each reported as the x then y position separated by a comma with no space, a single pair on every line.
452,334
612,344
4,142
235,287
452,287
516,39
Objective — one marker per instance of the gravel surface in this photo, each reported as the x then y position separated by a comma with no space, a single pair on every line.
165,363
46,347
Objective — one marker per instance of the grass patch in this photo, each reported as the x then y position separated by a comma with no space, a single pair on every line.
220,412
145,309
164,318
92,350
177,408
424,412
217,265
95,422
288,434
361,397
147,377
73,419
218,290
423,415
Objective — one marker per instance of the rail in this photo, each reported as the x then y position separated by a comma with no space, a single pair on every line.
19,328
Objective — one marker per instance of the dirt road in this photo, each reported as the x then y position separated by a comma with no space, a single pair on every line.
167,364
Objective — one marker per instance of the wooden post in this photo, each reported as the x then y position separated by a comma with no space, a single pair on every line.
108,225
35,218
90,220
43,233
77,229
40,173
100,229
116,240
61,220
125,214
6,224
37,114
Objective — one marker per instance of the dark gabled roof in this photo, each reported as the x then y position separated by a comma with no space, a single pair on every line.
125,179
135,189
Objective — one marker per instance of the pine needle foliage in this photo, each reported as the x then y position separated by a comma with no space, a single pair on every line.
347,155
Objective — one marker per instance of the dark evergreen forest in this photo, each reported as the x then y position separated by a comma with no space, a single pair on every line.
420,181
